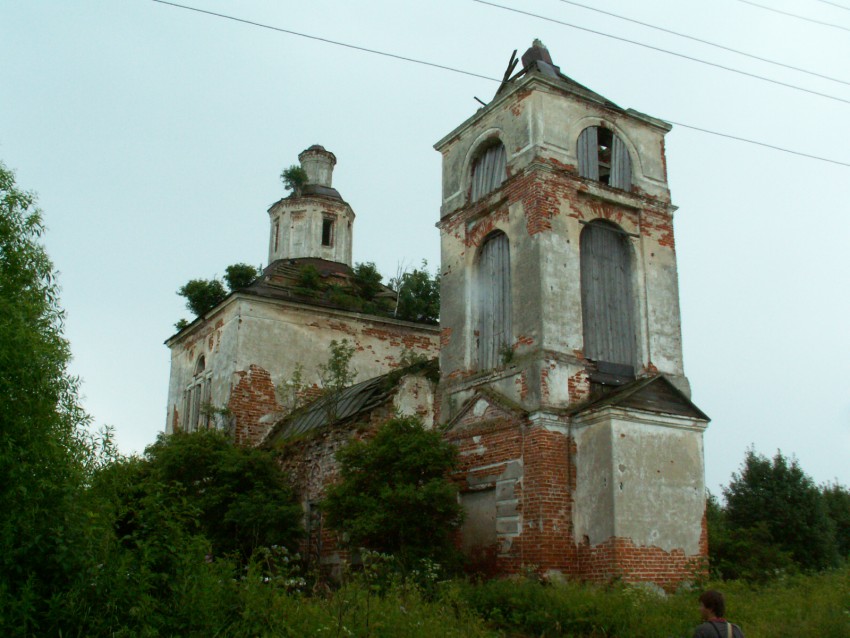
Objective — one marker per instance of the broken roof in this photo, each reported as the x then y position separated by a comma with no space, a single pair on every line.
538,60
347,404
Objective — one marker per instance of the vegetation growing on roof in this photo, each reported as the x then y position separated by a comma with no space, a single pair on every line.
294,178
202,295
240,276
418,295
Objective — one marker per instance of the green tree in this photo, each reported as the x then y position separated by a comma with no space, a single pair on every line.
779,496
240,275
153,573
837,500
294,178
394,494
367,280
336,375
418,295
202,295
45,452
240,498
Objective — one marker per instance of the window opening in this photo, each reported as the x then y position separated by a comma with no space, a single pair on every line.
488,171
603,156
276,234
327,232
494,300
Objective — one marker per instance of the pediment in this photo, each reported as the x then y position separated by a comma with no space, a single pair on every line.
484,407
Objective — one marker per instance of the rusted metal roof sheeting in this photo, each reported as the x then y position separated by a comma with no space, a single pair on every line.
341,405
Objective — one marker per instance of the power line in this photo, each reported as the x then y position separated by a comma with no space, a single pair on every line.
327,41
794,15
709,43
667,51
757,143
477,75
835,4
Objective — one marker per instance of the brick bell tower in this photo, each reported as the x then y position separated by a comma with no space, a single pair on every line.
561,361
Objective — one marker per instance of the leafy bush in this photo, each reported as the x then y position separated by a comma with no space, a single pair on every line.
309,277
202,295
239,276
294,178
394,495
418,295
241,499
367,280
46,455
781,505
837,501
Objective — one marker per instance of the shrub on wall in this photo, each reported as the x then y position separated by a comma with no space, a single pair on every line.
394,495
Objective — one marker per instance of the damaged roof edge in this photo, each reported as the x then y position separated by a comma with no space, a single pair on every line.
563,83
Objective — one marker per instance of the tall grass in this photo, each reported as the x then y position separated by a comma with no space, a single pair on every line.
810,606
207,599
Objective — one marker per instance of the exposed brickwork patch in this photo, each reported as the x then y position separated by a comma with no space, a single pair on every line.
251,400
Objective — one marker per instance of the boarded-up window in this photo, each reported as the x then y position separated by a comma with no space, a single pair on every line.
196,408
488,171
602,156
479,523
494,300
206,403
607,304
197,397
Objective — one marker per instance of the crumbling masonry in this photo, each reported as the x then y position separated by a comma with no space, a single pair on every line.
560,355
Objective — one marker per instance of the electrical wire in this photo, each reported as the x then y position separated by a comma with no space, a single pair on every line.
835,4
667,51
327,41
794,15
477,75
757,143
709,43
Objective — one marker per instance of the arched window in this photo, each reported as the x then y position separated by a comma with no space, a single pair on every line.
488,170
494,300
607,304
604,157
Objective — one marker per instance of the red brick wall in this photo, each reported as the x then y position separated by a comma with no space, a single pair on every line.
546,537
251,399
620,558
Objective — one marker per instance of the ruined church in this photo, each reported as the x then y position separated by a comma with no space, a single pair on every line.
559,350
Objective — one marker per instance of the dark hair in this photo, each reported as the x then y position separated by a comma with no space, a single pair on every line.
714,601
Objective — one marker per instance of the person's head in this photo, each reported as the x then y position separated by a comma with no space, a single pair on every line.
713,604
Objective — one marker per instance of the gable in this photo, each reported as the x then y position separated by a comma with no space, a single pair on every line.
485,407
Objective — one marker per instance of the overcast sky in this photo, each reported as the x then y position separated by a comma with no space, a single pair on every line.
155,135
